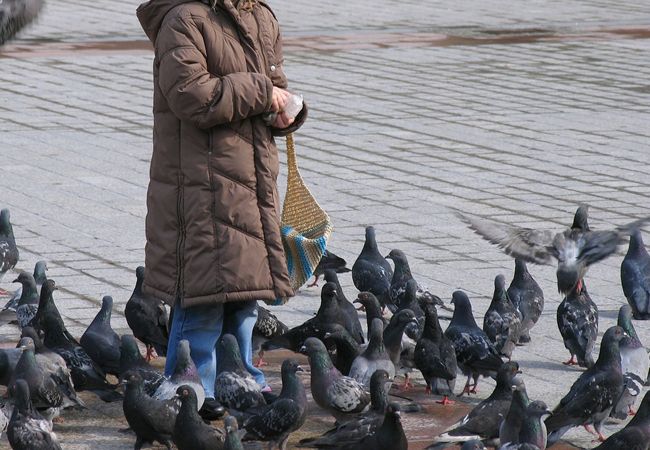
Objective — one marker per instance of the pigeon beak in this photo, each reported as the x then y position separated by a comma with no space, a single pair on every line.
303,350
299,369
390,380
519,372
16,281
326,335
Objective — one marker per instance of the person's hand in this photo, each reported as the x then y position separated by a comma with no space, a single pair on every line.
280,98
282,121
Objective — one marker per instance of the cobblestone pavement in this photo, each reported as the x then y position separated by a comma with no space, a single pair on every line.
516,113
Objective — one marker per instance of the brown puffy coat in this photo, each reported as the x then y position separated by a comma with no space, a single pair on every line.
213,227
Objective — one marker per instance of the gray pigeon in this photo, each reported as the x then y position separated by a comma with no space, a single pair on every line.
339,395
39,277
185,373
350,315
132,360
234,386
267,326
511,425
574,249
528,298
475,353
502,321
593,394
8,251
28,429
190,431
100,341
533,431
371,272
634,364
409,301
635,276
400,348
373,358
636,434
233,435
577,319
27,305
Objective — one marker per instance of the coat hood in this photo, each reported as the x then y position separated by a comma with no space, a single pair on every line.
152,13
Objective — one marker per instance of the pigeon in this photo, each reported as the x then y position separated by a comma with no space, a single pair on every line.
474,444
365,423
8,251
350,315
511,425
409,301
502,321
401,349
373,358
574,249
275,422
634,364
185,373
533,431
371,305
371,272
147,318
267,326
435,357
132,361
635,276
577,319
151,420
339,395
483,421
328,314
100,341
346,348
636,434
86,374
528,298
27,304
39,277
233,435
234,386
27,428
475,353
401,276
593,394
329,261
190,431
8,359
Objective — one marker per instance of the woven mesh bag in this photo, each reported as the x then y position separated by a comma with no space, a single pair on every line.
306,227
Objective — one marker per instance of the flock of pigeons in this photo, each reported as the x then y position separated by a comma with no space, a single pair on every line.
351,373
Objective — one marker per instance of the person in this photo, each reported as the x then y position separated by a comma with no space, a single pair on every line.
213,222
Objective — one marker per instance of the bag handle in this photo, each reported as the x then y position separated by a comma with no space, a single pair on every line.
292,163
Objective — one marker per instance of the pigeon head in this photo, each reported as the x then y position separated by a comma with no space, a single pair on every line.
5,223
367,300
312,346
290,366
39,271
132,380
474,444
520,268
231,424
609,348
328,293
506,375
331,276
538,408
462,309
500,294
636,243
625,321
229,356
104,314
26,279
184,363
581,219
139,274
30,332
319,359
411,291
379,385
129,351
432,328
21,395
568,277
336,331
26,343
371,242
187,395
404,317
393,410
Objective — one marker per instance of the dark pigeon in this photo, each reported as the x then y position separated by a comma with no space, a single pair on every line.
371,305
8,251
147,318
185,373
275,422
39,277
409,301
150,419
373,358
593,394
574,249
511,425
86,374
190,431
27,428
577,319
267,326
131,360
435,357
533,431
474,444
475,353
100,341
8,359
27,304
234,387
483,421
337,394
233,435
634,364
399,347
329,261
636,434
371,272
350,315
345,349
635,276
502,321
528,298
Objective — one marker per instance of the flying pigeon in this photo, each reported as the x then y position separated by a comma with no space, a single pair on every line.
132,361
151,420
346,349
577,319
329,261
574,249
235,387
636,434
373,358
435,357
532,434
635,276
27,428
100,341
502,321
371,305
634,364
401,276
350,315
185,373
147,318
190,431
339,395
275,422
371,272
528,298
593,394
8,251
39,277
475,354
267,326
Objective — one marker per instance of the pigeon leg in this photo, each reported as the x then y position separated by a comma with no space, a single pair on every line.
466,388
315,283
427,390
631,412
589,430
571,362
601,437
474,389
445,401
407,384
260,362
151,353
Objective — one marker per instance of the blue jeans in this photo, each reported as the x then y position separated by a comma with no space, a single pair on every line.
202,326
